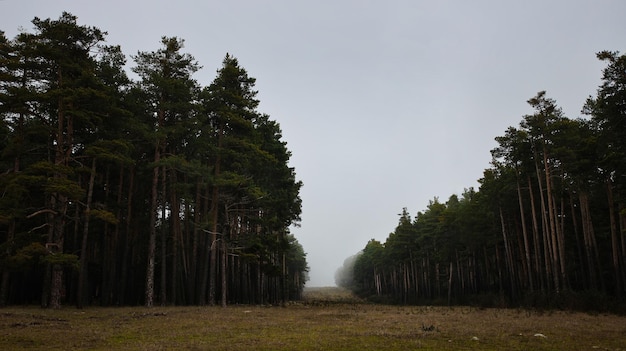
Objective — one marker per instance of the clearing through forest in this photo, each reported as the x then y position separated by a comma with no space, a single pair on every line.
327,319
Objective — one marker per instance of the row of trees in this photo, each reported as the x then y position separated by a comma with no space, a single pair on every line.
121,192
549,217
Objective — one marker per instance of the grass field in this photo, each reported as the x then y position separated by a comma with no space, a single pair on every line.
328,319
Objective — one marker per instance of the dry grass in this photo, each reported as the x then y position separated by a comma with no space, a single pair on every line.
344,324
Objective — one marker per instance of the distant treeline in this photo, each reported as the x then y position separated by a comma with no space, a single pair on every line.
547,226
154,191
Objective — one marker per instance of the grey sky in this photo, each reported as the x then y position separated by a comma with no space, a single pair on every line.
384,104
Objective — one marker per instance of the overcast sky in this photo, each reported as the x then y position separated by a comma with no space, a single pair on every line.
384,104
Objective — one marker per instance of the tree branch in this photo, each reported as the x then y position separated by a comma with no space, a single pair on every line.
47,210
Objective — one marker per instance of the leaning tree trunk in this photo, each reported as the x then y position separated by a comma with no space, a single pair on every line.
552,221
536,240
591,247
525,236
508,255
544,228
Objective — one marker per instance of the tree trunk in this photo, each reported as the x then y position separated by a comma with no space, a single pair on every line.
213,247
525,236
205,269
508,255
536,240
579,246
224,249
118,246
552,220
622,230
591,247
561,239
164,231
214,219
82,276
177,235
450,284
149,291
615,246
108,250
194,255
4,283
59,200
544,228
127,237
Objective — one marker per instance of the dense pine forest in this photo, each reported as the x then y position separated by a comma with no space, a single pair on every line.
151,190
547,226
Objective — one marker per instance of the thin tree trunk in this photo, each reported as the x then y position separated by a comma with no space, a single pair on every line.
552,220
202,293
499,267
579,247
82,277
591,247
450,284
622,229
164,231
214,219
149,292
213,247
194,255
525,236
127,237
118,246
544,228
615,246
107,259
4,284
536,240
176,234
60,203
561,237
224,252
4,287
509,255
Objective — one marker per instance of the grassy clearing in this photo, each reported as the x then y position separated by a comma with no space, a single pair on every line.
317,324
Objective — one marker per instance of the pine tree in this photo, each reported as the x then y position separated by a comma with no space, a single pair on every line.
169,92
608,111
60,74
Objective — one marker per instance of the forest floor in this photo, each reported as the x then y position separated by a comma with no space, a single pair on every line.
327,319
